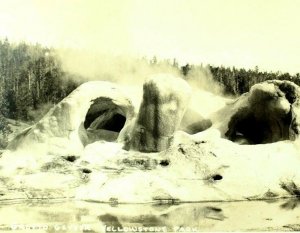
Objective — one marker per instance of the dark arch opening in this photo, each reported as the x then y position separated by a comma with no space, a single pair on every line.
103,121
267,115
106,120
252,127
116,123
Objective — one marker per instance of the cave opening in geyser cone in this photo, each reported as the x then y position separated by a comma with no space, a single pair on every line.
257,126
104,120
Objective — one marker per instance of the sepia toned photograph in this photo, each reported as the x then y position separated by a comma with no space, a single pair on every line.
149,116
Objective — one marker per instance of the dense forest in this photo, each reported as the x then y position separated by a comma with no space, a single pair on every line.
32,79
238,81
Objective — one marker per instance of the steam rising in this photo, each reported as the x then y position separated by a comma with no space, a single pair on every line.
130,70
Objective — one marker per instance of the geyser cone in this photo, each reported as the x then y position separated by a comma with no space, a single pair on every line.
268,113
165,98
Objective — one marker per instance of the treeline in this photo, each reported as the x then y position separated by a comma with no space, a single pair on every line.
238,81
30,77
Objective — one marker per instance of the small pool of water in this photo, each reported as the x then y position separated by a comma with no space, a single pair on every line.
77,216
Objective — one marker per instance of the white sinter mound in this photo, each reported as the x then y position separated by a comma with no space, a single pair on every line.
97,145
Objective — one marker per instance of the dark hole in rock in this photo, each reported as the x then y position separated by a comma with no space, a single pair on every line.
181,150
216,209
90,117
104,121
70,158
116,123
217,177
86,170
164,162
259,126
108,120
290,92
200,142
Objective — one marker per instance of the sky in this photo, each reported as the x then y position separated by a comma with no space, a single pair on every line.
240,33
